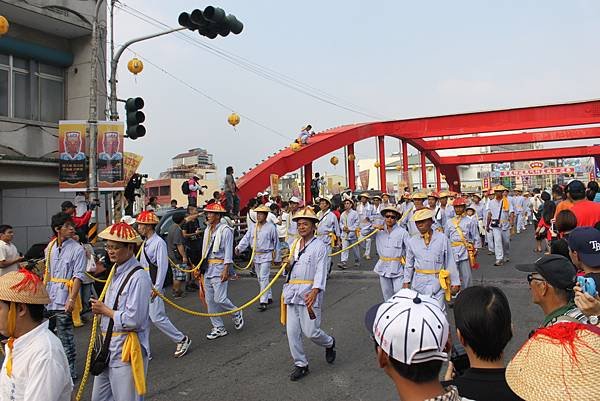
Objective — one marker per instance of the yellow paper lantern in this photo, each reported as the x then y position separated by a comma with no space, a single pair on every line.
430,168
398,167
334,160
233,119
351,157
4,25
377,164
135,66
295,146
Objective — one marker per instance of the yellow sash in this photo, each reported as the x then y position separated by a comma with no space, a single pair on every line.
400,259
469,246
77,308
215,261
132,353
443,277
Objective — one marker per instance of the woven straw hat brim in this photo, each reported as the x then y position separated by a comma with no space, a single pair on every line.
390,209
152,222
546,371
106,235
262,208
40,297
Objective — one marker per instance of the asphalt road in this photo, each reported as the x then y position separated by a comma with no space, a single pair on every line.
254,363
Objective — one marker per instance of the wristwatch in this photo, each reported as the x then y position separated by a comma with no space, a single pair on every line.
593,320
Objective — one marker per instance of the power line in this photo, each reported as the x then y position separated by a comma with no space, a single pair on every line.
264,72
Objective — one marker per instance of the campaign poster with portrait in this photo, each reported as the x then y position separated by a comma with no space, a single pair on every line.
110,156
72,159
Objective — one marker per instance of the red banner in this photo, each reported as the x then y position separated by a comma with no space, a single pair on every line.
538,171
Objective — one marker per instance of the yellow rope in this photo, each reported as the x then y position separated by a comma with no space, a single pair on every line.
253,250
47,269
244,306
88,358
99,280
355,244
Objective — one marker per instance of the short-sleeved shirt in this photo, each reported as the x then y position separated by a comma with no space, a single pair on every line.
8,251
174,238
587,213
195,241
484,385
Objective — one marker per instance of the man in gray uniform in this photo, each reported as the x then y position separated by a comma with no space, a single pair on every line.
463,234
500,218
303,294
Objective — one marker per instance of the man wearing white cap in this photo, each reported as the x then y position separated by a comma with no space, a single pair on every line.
365,212
391,248
349,226
292,230
410,333
328,228
303,294
263,239
430,268
35,366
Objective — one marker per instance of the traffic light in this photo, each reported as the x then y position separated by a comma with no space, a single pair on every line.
135,118
211,22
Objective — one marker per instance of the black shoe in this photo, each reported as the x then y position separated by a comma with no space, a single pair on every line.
190,288
330,352
262,307
270,301
252,273
299,372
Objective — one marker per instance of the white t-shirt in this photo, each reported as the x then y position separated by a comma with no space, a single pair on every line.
40,369
8,251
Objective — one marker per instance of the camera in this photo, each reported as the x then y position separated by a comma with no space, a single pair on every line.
459,359
588,285
143,175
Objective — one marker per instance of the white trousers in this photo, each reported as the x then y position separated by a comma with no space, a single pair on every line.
429,284
116,384
501,243
489,235
298,323
346,243
367,243
464,270
263,270
216,299
390,286
520,222
159,317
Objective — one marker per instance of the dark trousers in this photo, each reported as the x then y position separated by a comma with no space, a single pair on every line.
61,324
232,203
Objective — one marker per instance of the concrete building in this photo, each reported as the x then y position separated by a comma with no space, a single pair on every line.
44,77
195,162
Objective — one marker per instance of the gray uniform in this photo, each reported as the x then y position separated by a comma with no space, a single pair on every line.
155,249
328,224
391,248
218,256
435,256
502,232
266,247
470,232
351,220
365,212
116,382
309,266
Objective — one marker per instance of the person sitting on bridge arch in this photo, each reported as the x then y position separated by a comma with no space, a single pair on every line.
305,133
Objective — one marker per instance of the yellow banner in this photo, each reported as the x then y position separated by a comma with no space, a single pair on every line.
131,162
274,178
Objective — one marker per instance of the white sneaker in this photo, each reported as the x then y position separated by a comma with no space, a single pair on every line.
216,333
238,321
182,347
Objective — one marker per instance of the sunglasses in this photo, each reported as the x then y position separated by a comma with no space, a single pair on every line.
391,216
530,278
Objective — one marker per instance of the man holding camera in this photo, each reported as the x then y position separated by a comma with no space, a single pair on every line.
195,189
500,218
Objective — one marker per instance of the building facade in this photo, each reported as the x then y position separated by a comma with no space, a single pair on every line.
44,77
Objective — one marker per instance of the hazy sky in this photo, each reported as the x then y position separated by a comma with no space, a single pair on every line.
392,59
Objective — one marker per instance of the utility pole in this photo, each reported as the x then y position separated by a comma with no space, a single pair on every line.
93,127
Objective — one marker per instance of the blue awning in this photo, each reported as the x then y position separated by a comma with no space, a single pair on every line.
28,50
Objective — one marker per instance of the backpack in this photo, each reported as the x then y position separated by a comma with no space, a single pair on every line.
185,187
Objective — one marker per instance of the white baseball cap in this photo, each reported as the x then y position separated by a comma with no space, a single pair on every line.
128,220
409,327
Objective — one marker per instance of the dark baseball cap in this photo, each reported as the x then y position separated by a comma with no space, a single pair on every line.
66,205
586,242
575,186
555,269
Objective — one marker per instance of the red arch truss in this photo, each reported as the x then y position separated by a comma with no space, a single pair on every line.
430,134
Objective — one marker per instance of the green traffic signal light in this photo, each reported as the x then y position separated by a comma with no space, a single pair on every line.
134,118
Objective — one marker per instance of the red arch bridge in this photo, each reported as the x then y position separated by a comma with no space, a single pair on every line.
558,122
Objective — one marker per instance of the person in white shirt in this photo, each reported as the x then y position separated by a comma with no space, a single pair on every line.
35,367
9,255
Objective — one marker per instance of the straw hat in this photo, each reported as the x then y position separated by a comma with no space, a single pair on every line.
261,208
24,287
433,194
423,214
385,194
121,232
499,188
365,194
477,195
419,195
326,199
557,363
518,189
390,209
147,217
444,194
376,197
305,213
215,208
347,198
459,202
